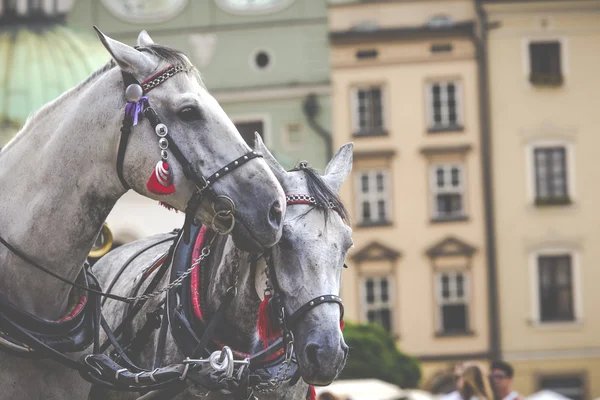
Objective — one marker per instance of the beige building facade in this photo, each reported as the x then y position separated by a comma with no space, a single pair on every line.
544,85
405,90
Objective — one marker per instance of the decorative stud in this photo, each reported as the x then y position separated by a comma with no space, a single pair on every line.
216,175
134,93
245,157
161,130
235,163
163,143
164,155
226,168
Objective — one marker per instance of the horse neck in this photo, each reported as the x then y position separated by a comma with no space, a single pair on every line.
238,329
59,184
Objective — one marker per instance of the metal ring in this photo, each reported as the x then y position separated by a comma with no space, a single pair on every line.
218,230
164,154
232,204
163,143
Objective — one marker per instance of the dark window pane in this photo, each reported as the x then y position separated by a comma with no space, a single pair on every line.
571,387
386,319
449,205
455,174
439,173
247,129
460,287
370,286
384,290
381,210
454,318
544,58
445,286
364,183
366,211
556,289
550,173
379,179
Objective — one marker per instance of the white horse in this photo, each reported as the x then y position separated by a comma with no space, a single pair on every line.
60,180
305,276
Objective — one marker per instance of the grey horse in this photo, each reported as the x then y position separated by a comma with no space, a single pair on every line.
308,262
60,181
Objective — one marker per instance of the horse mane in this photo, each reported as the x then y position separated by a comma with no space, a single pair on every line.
326,198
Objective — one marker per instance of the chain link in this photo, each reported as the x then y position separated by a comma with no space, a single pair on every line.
177,282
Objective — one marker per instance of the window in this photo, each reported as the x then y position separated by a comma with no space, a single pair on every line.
444,106
447,187
571,387
247,129
555,280
550,175
377,301
368,111
372,197
452,300
544,59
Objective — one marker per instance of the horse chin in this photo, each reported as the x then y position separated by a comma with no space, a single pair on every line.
243,239
321,356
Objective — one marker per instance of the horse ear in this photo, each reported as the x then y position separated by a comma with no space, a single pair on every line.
144,39
339,167
277,169
128,58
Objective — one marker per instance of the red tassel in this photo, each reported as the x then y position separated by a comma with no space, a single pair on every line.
154,186
264,324
312,394
168,206
342,324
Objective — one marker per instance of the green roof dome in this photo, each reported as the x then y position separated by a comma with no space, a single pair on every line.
39,62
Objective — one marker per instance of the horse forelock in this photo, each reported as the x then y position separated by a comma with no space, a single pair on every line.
326,198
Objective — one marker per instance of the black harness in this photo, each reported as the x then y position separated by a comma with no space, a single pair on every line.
29,336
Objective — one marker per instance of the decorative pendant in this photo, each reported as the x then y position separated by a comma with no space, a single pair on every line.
161,180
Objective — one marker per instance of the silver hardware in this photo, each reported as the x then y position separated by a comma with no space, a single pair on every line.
161,130
133,93
152,375
164,155
163,143
119,371
137,377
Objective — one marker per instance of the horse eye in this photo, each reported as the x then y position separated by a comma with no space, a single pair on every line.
189,114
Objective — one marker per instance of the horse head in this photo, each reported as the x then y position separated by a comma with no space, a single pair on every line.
308,261
187,143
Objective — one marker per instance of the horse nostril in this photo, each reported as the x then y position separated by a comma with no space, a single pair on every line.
275,214
312,353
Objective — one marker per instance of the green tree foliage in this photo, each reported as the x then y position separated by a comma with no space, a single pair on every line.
373,354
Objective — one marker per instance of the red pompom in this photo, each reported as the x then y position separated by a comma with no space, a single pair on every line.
264,324
154,186
342,324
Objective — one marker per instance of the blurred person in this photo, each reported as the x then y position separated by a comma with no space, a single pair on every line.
473,384
455,395
501,379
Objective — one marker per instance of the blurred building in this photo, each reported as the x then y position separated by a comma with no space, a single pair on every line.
406,92
544,103
265,62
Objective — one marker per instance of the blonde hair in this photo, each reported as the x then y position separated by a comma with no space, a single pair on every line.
475,384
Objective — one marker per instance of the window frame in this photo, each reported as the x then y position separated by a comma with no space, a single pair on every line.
459,98
249,118
440,301
564,62
435,191
357,131
570,173
365,307
577,294
373,198
581,375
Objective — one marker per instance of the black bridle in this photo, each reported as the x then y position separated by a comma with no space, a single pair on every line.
190,170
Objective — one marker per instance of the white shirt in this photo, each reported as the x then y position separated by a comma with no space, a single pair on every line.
451,396
512,396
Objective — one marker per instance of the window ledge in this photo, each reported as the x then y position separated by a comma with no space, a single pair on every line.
374,224
445,129
549,80
552,201
454,334
556,325
371,132
459,218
